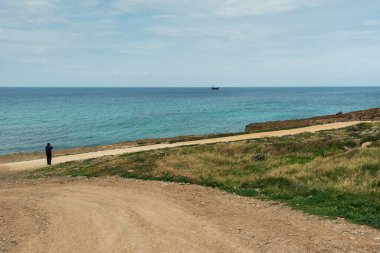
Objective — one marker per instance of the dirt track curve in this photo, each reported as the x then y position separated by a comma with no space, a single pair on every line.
39,163
117,215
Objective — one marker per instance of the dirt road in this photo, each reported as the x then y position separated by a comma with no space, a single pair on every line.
119,215
39,163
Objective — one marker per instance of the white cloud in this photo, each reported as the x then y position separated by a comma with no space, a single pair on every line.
151,38
371,23
227,8
37,3
165,31
32,5
163,16
235,8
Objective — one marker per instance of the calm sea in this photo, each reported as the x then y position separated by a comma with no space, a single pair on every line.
72,117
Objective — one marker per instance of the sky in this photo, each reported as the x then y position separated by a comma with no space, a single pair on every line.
182,43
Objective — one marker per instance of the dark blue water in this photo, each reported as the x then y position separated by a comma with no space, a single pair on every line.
72,117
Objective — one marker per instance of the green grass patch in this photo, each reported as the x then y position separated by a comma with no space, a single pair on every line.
297,159
372,168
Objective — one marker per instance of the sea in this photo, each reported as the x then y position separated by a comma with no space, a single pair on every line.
77,117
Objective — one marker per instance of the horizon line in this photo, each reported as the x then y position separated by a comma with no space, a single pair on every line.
280,86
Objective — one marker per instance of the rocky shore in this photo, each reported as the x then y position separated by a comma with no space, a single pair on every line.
372,114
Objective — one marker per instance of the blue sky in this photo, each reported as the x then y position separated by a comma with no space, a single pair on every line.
189,43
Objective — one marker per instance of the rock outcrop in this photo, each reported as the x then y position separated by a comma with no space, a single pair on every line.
367,115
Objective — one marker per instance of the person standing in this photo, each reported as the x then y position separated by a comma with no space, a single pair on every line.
49,153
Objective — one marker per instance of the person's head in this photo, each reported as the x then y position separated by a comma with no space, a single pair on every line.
48,144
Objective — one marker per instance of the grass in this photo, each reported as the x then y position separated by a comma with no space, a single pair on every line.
310,172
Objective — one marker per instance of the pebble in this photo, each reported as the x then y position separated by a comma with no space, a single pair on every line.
366,144
347,149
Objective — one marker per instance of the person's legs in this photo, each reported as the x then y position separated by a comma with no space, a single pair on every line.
48,159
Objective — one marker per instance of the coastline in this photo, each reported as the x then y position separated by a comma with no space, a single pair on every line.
39,163
94,117
302,172
372,114
26,156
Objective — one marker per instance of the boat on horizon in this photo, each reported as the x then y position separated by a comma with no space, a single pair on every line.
214,88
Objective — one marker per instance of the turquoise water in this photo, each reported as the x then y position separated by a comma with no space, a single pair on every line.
72,117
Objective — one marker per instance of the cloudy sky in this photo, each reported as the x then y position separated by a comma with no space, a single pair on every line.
189,42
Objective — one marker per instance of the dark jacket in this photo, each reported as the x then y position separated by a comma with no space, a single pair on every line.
48,149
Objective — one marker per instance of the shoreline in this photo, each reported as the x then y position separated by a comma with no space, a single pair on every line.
372,114
26,156
39,163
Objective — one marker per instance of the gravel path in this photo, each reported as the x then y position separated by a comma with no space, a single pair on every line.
120,215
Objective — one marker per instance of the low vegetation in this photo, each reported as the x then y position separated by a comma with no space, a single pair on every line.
326,173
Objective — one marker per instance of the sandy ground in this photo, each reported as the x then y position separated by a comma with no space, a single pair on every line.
33,164
120,215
